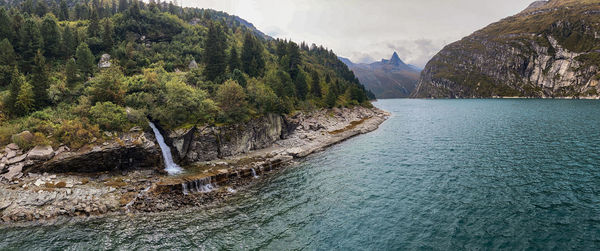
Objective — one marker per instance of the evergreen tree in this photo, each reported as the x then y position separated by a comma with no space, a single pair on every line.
6,25
16,80
51,36
40,81
41,9
31,42
72,73
301,85
331,98
25,100
85,60
7,62
107,35
7,53
315,86
93,29
214,49
63,13
234,60
293,52
69,42
252,58
238,77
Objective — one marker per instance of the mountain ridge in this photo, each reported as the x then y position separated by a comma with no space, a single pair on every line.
387,78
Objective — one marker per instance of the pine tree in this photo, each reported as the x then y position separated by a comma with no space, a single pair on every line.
315,86
234,60
31,42
252,58
85,60
51,36
93,29
72,73
41,9
25,100
301,85
293,52
69,42
7,53
331,98
214,49
6,25
7,62
63,13
107,35
16,80
40,81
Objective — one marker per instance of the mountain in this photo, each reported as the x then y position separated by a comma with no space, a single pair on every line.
388,78
108,66
551,49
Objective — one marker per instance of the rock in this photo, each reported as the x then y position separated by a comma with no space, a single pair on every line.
39,182
10,154
12,146
17,159
13,172
62,149
135,129
23,138
108,134
193,64
5,204
41,153
104,61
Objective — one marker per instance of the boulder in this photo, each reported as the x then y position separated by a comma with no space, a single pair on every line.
13,172
23,138
104,61
12,146
41,153
17,159
193,64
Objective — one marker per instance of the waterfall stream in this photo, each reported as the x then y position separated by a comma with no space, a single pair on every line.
170,166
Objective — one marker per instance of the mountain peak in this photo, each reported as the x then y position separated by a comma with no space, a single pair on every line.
395,60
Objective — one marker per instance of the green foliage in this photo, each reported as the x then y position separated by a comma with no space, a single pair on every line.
25,100
181,104
65,100
252,56
234,62
51,36
40,81
108,116
72,73
31,42
85,60
232,101
108,86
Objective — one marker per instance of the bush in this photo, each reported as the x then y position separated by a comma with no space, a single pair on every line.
108,116
77,133
181,104
232,101
107,87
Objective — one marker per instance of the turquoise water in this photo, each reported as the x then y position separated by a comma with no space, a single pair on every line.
439,174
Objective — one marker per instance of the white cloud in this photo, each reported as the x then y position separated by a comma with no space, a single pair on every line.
370,29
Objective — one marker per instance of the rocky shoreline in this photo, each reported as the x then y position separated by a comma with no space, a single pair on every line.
124,173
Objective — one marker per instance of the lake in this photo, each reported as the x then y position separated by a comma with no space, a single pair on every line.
439,174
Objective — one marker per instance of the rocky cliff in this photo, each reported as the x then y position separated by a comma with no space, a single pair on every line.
551,49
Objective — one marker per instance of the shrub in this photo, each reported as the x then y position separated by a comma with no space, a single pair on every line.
108,116
232,101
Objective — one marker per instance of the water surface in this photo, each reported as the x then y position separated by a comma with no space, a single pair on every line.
439,174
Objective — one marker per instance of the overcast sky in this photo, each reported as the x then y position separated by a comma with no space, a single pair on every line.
368,30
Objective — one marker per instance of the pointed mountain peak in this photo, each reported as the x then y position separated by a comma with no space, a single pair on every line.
395,60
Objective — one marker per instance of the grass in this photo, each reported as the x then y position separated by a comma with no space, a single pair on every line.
352,125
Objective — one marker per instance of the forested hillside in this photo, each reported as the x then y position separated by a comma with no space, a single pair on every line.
75,72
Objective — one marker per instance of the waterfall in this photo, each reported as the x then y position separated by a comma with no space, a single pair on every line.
254,173
203,185
170,166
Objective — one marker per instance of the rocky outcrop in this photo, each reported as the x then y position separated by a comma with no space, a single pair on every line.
209,143
104,61
549,50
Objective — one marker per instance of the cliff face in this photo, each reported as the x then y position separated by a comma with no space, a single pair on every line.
552,49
